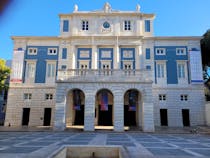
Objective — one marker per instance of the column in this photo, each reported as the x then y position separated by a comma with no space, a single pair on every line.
59,120
148,111
89,110
94,57
118,112
116,57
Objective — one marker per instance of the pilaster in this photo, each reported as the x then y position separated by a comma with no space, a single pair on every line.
74,56
148,112
94,57
60,110
139,58
116,57
89,111
59,121
118,113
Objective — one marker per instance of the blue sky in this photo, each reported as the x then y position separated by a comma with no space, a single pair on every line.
40,17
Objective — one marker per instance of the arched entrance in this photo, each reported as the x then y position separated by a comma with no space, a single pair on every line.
75,107
132,101
104,108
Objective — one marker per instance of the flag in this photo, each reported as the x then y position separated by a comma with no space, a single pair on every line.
76,100
133,98
104,101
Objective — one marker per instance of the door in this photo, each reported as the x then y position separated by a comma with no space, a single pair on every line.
163,117
105,117
129,116
186,117
79,116
25,116
47,116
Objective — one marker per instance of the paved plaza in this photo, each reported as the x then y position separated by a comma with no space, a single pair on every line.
43,144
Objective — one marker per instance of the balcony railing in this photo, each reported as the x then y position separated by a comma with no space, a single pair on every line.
101,75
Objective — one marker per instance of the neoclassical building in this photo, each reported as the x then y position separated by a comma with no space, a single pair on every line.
106,70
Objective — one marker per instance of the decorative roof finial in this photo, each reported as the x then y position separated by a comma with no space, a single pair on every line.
138,7
75,8
107,7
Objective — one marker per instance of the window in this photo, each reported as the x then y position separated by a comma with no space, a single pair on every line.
51,69
148,67
181,70
180,51
49,96
147,53
183,97
147,25
30,70
65,26
52,51
63,67
32,51
27,96
162,97
106,25
64,53
160,51
160,70
127,25
85,25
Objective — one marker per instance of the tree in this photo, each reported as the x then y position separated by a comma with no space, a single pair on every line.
4,73
205,48
205,51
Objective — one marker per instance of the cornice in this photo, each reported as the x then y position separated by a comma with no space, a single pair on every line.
173,38
34,37
142,15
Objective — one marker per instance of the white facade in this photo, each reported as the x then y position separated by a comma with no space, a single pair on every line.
113,52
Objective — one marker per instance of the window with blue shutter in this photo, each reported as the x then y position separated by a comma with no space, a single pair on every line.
65,26
147,25
64,53
147,53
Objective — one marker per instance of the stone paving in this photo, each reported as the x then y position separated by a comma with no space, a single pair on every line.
43,144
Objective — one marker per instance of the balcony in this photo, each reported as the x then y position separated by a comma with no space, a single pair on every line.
100,75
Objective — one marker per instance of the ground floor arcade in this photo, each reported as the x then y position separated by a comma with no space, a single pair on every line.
118,106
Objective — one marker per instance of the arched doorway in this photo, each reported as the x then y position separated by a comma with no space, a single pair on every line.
75,107
104,108
132,102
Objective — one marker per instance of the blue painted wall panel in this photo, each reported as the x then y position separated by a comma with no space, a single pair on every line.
41,58
64,53
171,72
148,67
171,64
79,57
127,58
147,53
101,58
155,72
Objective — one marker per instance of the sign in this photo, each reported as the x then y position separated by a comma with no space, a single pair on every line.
104,101
17,66
76,100
196,67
